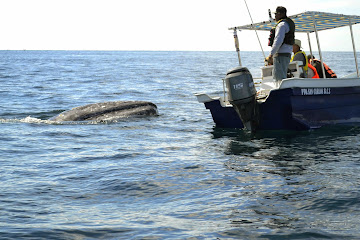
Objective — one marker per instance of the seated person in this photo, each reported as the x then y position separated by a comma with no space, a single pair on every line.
317,64
300,55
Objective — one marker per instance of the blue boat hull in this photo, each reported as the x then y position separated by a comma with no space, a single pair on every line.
224,117
297,109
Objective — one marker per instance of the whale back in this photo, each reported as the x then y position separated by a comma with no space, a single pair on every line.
108,111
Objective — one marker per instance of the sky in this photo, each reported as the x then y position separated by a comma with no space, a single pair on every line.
166,25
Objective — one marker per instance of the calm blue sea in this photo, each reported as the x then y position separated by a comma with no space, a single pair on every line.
174,176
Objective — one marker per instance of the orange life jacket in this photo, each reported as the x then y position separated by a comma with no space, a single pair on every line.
316,75
328,71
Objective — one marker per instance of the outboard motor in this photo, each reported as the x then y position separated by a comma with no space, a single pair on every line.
242,95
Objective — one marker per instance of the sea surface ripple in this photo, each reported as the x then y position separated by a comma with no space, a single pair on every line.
174,176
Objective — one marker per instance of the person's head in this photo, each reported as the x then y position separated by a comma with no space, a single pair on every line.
310,56
280,13
296,46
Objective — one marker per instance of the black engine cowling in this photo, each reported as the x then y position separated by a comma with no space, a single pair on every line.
242,95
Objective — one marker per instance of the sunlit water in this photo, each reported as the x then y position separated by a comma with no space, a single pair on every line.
174,176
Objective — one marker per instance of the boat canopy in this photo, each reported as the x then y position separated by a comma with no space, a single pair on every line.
308,22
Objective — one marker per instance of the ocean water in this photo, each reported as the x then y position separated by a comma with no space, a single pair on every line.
174,176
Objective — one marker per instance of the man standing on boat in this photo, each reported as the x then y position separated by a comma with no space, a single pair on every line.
281,40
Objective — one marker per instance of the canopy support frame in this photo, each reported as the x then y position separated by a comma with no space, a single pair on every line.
236,39
318,43
308,36
353,44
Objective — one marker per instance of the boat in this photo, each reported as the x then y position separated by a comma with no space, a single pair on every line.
294,103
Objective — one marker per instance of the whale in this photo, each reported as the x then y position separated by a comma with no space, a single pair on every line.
108,111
